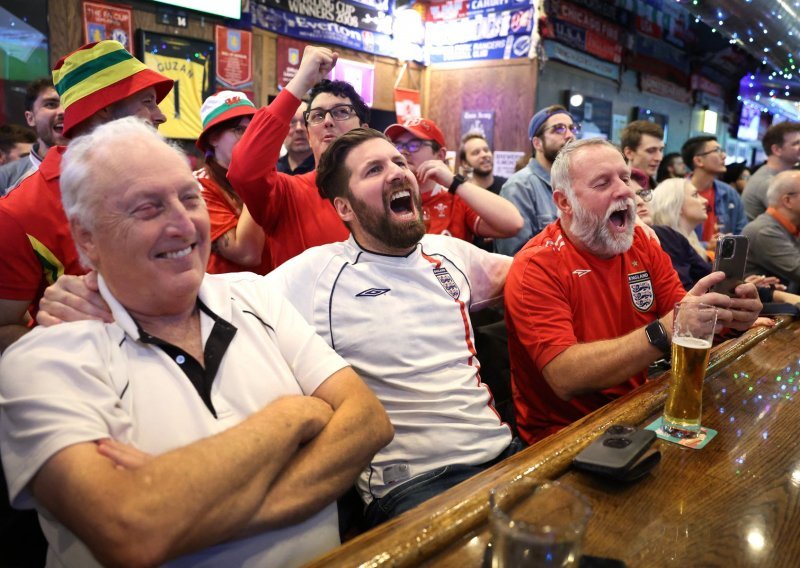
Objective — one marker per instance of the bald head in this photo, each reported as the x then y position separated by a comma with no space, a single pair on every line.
782,185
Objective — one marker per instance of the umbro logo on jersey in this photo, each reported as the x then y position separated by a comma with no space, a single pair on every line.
371,292
581,272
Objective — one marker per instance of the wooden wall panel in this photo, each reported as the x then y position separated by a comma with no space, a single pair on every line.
66,26
507,87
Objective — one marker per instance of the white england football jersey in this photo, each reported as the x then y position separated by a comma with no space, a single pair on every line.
403,324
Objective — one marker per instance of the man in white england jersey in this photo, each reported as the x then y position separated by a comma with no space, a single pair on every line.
395,302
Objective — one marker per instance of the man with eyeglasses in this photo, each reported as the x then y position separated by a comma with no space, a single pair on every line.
298,158
589,300
529,189
775,234
781,144
704,156
451,205
290,209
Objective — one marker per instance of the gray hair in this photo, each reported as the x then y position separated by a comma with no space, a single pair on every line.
667,202
103,149
560,177
781,184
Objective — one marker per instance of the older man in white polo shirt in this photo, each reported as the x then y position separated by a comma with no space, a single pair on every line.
209,424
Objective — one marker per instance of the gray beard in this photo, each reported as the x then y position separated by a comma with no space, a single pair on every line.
593,233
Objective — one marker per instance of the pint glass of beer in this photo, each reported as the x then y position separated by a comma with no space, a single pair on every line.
692,336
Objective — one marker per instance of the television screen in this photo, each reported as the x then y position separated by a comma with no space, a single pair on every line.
642,113
593,114
224,8
749,121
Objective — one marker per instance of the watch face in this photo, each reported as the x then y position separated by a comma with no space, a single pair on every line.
657,336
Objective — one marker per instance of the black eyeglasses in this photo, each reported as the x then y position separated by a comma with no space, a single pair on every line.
412,145
338,113
645,194
718,150
562,128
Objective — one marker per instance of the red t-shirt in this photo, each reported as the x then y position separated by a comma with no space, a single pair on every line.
557,296
224,216
36,247
448,214
710,224
289,208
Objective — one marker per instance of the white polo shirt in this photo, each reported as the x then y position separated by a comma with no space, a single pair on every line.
83,381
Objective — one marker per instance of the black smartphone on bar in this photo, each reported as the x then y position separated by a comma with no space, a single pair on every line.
616,452
730,258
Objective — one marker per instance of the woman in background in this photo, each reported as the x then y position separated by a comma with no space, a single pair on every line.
237,241
677,204
686,261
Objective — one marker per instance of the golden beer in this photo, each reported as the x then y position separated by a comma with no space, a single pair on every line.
685,400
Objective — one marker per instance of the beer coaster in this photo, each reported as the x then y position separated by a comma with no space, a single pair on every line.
703,438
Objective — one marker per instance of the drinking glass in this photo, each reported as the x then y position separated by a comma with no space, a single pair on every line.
536,524
692,337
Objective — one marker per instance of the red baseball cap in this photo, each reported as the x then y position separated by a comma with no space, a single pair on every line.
422,128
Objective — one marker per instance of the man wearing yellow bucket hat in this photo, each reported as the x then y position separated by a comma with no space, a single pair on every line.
97,83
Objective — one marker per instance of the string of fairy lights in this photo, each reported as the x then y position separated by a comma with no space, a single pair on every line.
770,31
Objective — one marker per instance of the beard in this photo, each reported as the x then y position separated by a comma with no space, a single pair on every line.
550,152
482,169
594,233
382,227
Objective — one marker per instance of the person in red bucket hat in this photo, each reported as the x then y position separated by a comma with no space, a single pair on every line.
451,205
97,83
237,241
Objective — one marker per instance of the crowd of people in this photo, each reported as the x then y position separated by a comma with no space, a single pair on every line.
223,354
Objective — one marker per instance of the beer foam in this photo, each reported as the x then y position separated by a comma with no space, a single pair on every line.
691,342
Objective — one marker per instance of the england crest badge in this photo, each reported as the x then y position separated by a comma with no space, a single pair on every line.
641,290
447,282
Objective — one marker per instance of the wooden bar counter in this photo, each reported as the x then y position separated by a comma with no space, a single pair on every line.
736,502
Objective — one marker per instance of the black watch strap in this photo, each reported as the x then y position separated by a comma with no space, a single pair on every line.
457,181
658,338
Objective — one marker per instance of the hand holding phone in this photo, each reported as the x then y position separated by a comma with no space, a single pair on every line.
730,258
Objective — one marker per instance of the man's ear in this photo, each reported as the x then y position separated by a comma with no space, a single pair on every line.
562,203
30,119
343,209
441,154
536,142
628,153
84,240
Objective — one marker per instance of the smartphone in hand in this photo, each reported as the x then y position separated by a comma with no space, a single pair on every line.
730,258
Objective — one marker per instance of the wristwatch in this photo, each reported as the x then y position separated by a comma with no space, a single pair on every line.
457,181
658,338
